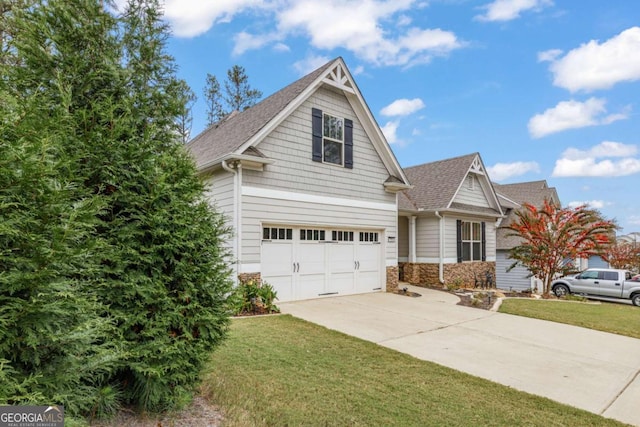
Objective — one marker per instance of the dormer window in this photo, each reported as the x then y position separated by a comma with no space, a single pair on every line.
332,139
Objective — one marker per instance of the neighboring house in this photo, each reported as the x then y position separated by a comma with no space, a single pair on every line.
308,183
512,197
447,223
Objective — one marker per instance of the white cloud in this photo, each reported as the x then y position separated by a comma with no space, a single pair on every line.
245,41
596,65
507,10
402,107
389,130
581,163
310,63
604,149
501,171
365,36
190,18
595,204
549,55
634,220
572,115
377,31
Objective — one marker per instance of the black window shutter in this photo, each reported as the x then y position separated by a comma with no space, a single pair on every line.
484,242
348,144
459,239
316,131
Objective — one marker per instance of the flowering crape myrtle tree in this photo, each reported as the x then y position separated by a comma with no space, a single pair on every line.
624,255
551,235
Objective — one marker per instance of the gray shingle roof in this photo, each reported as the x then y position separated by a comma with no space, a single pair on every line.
226,136
532,192
435,183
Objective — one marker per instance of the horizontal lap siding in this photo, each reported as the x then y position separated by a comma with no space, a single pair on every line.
515,279
474,197
427,237
293,170
259,210
219,191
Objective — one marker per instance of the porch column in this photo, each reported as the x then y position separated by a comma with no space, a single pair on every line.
412,239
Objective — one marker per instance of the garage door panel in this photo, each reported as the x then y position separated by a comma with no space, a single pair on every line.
277,268
301,268
342,258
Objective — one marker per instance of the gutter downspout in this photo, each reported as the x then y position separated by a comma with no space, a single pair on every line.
441,247
237,180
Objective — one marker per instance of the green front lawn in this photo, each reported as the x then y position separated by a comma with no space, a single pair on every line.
619,319
282,371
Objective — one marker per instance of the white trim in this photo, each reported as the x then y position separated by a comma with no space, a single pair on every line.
250,268
437,260
312,198
391,262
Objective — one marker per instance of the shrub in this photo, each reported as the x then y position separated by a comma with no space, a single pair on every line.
254,297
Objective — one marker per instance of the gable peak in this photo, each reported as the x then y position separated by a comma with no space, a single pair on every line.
339,77
476,166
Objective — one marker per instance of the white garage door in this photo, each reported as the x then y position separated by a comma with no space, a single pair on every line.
304,263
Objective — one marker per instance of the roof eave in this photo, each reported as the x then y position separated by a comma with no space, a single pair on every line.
247,161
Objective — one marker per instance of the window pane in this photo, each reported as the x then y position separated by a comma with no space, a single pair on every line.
274,233
333,127
476,231
281,233
265,233
289,233
333,235
477,252
466,231
332,152
466,251
321,234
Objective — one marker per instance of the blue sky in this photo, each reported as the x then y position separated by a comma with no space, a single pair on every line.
542,89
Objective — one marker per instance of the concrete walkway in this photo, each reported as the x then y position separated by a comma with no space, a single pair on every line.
595,371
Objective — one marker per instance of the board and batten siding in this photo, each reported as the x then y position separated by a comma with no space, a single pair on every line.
257,211
290,145
471,196
517,279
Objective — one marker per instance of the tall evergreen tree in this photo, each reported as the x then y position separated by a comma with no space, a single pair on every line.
213,96
55,342
185,118
238,94
169,278
128,237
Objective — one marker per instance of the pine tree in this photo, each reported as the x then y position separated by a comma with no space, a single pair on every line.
213,96
238,94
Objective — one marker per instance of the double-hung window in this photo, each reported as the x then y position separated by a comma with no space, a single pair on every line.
332,139
471,241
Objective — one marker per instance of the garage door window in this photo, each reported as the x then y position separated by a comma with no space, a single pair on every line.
311,235
368,236
275,233
342,236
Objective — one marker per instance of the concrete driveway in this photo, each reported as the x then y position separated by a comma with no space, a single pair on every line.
592,370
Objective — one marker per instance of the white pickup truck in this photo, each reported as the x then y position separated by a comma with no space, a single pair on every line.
602,282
